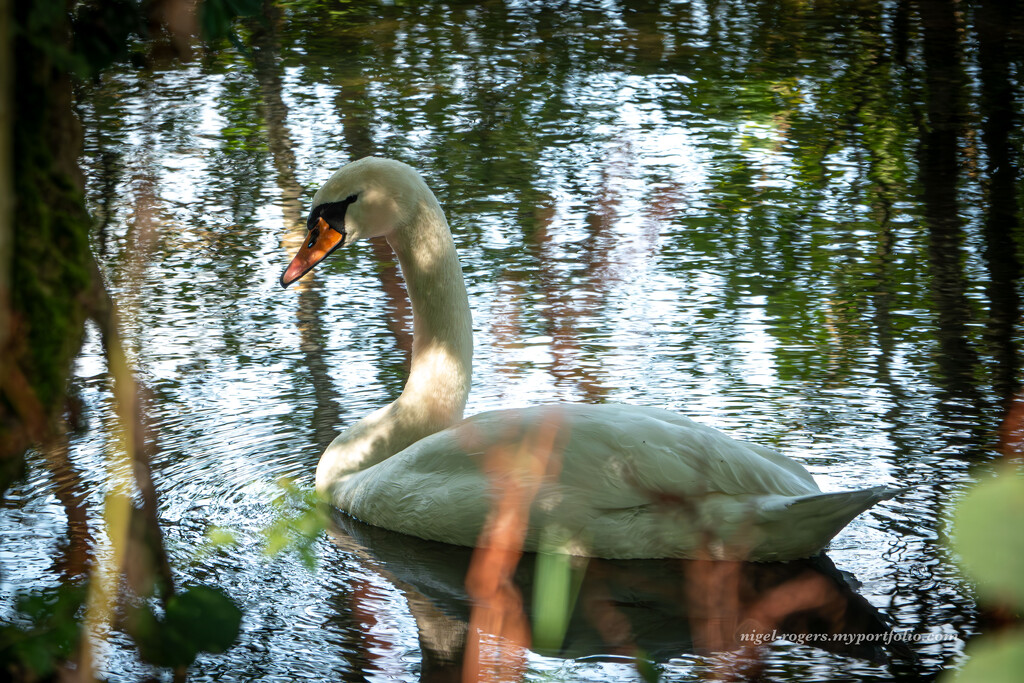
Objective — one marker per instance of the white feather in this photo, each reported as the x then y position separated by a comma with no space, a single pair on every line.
609,480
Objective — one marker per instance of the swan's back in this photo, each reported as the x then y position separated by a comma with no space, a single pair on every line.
611,481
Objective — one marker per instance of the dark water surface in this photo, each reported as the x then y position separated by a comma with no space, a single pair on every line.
768,217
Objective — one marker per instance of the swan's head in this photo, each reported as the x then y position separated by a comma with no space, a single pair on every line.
367,198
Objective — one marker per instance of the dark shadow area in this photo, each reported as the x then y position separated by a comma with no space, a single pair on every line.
622,610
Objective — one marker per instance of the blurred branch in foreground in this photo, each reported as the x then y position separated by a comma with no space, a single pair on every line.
516,473
50,284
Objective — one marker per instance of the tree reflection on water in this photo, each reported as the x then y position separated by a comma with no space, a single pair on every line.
798,222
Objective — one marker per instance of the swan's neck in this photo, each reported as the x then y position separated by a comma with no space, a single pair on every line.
442,353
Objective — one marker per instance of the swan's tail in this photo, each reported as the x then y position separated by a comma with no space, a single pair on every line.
812,520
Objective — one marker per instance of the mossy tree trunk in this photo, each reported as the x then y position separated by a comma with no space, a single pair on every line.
50,284
6,181
51,270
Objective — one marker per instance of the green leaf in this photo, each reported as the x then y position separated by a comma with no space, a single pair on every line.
200,619
993,659
47,630
988,527
646,668
218,536
146,630
205,618
553,600
300,519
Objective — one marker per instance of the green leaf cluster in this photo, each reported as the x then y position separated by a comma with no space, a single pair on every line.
300,519
989,539
43,631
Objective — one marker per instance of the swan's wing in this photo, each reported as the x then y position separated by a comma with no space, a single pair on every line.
647,451
609,469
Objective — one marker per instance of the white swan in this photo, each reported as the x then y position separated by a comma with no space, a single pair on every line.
611,481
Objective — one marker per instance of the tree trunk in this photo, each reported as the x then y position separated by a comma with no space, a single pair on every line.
50,265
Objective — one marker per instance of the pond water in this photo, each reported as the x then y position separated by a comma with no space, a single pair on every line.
756,214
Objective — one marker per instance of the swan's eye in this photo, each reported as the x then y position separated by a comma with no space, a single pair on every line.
334,212
330,216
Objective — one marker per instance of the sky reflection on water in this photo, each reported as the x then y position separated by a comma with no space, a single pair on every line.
686,208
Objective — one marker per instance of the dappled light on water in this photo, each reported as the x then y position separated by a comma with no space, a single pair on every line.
763,218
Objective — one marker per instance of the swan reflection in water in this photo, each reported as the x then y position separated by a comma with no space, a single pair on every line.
650,610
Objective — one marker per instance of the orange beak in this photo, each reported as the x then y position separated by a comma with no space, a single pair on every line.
320,241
